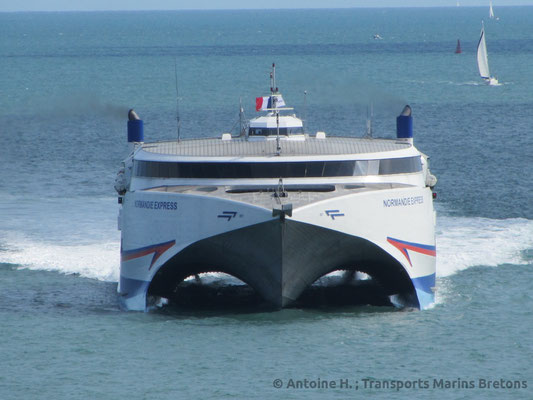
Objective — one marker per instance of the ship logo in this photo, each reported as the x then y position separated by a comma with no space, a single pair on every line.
334,213
229,215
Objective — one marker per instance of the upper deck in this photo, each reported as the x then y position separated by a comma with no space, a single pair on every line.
299,147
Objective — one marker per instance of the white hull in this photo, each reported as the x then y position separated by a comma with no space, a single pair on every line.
492,81
387,233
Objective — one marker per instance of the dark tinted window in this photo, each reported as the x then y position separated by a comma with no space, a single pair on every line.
310,169
399,165
274,131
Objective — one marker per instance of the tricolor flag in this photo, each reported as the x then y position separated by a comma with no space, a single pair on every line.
262,103
269,102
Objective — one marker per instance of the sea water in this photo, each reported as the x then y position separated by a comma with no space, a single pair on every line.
68,80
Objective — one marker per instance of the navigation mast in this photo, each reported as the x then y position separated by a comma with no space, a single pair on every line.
273,93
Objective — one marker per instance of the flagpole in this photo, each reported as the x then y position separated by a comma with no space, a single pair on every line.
369,118
273,88
178,122
278,147
274,91
305,110
241,122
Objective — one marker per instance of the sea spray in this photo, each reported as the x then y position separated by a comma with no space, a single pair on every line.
462,243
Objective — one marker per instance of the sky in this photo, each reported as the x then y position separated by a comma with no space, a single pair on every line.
94,5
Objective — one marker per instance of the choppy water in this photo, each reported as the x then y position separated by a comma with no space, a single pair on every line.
68,80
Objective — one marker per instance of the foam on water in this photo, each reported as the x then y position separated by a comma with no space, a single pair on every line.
462,243
99,261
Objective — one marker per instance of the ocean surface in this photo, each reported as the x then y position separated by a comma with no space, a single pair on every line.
68,80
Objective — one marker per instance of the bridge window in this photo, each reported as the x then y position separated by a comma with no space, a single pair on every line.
247,170
274,131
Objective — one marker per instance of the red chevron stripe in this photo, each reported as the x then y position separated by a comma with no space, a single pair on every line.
157,249
419,248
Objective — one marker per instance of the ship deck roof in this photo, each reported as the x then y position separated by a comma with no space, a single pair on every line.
240,147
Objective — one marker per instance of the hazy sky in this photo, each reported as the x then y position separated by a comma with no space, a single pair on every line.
91,5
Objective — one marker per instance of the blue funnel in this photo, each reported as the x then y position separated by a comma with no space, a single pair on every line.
135,128
404,124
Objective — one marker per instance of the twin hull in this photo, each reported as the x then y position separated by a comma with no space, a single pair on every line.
386,233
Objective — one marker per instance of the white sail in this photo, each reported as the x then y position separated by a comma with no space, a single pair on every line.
491,11
482,58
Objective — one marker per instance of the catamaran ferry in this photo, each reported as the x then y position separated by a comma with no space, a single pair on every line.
277,208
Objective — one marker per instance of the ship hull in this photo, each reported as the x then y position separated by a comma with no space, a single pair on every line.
279,248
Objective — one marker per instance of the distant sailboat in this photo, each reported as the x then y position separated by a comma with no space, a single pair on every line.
458,48
491,12
483,61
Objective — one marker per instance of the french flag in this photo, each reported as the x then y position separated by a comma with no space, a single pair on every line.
269,102
263,103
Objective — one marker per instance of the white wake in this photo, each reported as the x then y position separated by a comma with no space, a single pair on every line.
462,243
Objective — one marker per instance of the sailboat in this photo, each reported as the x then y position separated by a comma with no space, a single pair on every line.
483,61
491,12
458,48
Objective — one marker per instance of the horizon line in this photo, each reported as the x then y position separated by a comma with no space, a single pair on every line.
254,9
